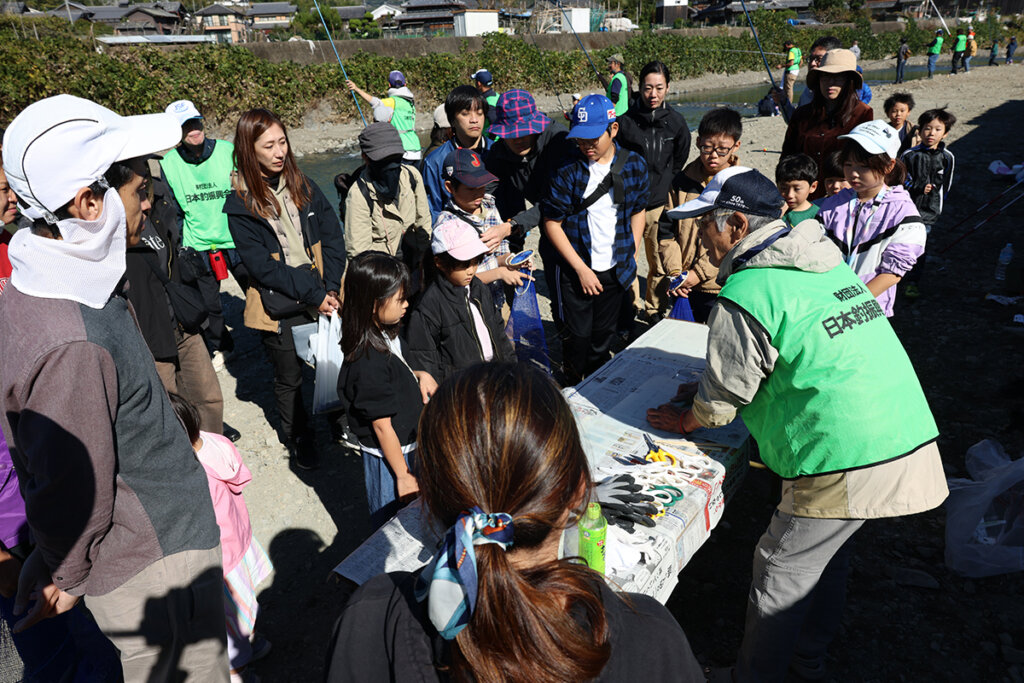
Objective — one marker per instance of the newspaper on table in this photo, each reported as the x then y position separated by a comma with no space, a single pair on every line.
610,409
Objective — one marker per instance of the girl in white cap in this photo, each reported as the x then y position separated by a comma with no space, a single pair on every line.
875,223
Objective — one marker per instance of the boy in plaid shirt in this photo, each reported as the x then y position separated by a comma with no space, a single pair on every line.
594,216
466,179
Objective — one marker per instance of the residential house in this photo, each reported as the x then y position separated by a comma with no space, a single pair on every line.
227,23
266,16
431,16
386,10
475,22
350,12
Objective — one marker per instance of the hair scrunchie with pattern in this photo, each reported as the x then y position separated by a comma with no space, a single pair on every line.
449,581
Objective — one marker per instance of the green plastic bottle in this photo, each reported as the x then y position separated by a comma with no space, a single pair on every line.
593,534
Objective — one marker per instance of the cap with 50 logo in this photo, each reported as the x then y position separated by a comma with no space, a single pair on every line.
738,188
591,117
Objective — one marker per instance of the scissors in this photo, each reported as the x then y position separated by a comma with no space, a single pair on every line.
656,453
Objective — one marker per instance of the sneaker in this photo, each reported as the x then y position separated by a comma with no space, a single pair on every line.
340,434
218,360
260,648
230,433
912,291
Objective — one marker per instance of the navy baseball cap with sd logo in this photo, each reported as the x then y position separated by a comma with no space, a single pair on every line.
738,188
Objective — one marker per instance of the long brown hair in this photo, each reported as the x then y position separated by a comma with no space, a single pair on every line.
256,193
845,106
500,436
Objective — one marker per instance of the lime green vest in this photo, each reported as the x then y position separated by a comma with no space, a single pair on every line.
796,56
843,393
623,104
404,120
200,190
937,47
961,44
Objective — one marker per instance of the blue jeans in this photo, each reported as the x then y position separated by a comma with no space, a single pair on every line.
381,488
967,63
932,61
901,67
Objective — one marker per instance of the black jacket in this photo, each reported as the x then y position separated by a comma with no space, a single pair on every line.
255,243
522,179
385,634
928,167
145,290
441,335
662,138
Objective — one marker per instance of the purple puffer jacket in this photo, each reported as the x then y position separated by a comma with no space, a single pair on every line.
888,236
13,522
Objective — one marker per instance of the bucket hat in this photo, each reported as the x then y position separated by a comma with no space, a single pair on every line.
837,61
516,115
379,141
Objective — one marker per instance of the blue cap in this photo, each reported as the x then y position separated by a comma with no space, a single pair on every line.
483,76
591,117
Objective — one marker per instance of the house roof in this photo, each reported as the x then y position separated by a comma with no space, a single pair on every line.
214,10
154,12
420,17
12,8
412,5
107,13
261,9
352,11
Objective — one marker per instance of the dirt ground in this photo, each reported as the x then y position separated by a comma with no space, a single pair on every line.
908,617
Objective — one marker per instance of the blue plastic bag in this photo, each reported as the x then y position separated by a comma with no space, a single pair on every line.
525,328
681,310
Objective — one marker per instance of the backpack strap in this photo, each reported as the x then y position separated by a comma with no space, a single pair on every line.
612,181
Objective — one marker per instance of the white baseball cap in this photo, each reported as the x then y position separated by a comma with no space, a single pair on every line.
876,137
183,110
60,144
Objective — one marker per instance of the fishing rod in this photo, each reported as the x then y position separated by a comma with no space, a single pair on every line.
559,5
984,206
335,48
982,222
763,58
551,76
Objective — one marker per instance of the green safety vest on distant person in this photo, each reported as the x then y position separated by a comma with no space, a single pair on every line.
200,190
795,55
843,393
492,104
937,47
961,44
404,121
623,104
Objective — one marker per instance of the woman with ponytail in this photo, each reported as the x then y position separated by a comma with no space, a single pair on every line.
501,469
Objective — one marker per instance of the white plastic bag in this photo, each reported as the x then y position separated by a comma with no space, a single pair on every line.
985,514
305,337
328,364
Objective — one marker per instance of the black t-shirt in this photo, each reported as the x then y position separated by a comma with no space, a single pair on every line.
383,634
376,385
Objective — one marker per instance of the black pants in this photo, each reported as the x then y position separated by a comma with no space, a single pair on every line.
216,334
589,321
288,379
701,304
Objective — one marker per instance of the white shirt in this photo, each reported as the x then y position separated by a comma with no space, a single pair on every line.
481,330
602,217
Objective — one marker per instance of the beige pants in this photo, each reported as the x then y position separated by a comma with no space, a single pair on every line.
790,81
655,268
167,621
194,379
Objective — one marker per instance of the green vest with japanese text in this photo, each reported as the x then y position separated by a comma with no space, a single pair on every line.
796,56
404,121
200,190
843,393
623,102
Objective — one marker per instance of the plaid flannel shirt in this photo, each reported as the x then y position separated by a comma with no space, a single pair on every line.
568,186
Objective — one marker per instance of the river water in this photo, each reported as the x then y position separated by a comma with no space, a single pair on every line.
323,167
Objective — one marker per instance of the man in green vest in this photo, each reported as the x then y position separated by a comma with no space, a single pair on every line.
793,59
198,172
800,348
934,48
484,82
959,49
618,84
398,109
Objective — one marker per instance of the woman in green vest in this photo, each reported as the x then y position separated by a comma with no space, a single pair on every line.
398,109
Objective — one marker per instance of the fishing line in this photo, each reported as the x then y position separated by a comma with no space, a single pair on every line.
335,48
